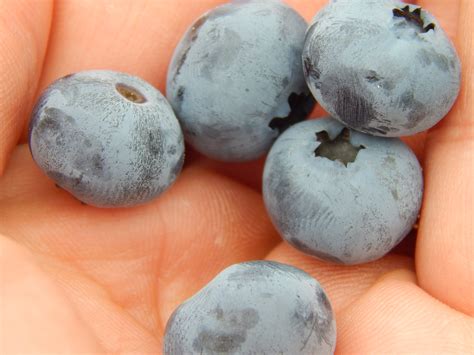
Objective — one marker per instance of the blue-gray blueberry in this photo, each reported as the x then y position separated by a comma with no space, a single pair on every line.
109,138
258,307
381,67
236,78
341,195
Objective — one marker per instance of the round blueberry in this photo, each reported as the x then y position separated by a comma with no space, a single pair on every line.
381,66
341,195
259,307
236,78
110,139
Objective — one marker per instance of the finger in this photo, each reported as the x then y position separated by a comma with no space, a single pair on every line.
446,11
33,307
24,29
344,284
307,9
137,37
445,262
396,317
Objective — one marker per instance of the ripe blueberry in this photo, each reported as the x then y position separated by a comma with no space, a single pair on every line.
381,66
110,139
236,78
341,195
259,307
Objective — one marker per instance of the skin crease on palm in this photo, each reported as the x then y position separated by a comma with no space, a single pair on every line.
75,278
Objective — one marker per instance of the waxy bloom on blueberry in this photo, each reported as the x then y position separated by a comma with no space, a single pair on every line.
341,195
259,307
236,78
381,66
110,139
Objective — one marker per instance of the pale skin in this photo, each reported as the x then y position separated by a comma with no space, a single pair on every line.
74,278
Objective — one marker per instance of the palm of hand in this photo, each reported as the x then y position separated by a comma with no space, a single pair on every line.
107,280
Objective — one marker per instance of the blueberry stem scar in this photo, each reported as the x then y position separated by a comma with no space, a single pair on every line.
130,93
300,107
414,17
339,148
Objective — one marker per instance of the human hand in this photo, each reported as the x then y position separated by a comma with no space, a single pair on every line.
75,278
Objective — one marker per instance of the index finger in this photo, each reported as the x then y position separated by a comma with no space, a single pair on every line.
444,258
136,37
24,30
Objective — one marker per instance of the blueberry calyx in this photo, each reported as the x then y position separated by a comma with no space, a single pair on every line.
130,93
413,17
339,148
300,107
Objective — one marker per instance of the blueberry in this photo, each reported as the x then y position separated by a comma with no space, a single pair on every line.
110,139
381,66
236,78
341,195
259,307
